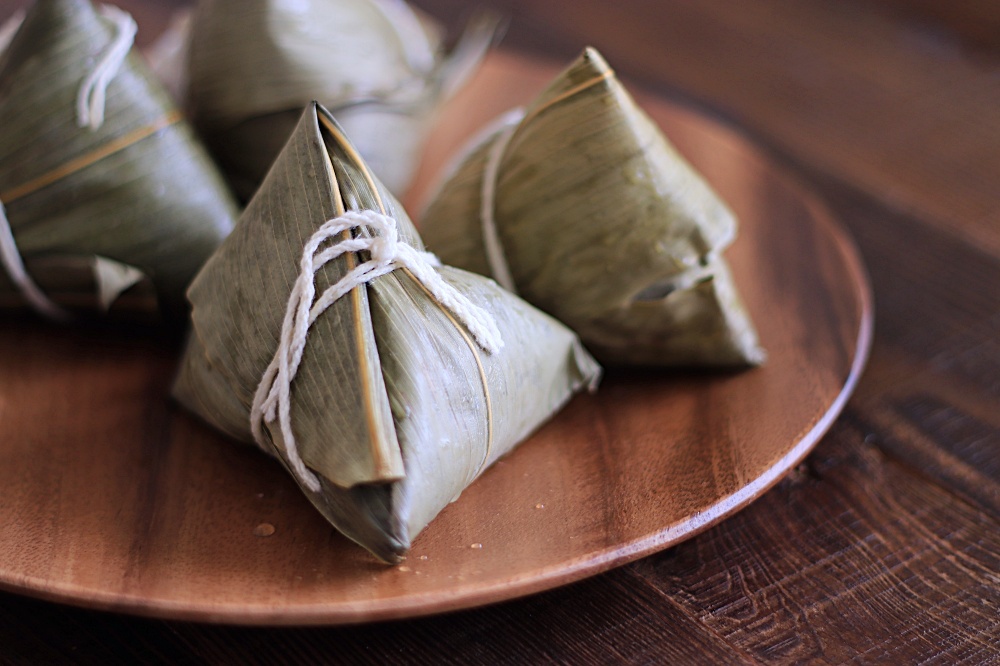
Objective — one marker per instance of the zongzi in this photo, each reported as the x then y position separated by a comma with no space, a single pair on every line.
108,200
393,389
253,65
581,206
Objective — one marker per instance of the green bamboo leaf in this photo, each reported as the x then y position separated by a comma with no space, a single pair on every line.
602,224
395,407
138,191
253,65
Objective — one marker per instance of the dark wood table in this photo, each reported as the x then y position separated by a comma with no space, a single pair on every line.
884,547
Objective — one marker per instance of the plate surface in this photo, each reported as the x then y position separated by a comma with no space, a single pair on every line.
114,498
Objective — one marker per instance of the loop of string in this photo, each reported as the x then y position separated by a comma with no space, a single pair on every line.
93,90
14,265
386,253
487,204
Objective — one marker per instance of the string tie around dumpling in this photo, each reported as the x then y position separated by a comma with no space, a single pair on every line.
495,256
90,113
10,257
378,236
93,91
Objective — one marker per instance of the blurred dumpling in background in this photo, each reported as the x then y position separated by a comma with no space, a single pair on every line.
109,202
380,69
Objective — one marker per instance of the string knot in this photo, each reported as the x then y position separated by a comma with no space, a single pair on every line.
378,235
384,249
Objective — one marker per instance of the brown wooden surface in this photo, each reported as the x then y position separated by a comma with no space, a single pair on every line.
883,547
648,461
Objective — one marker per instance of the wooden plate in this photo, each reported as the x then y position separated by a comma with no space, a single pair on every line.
114,498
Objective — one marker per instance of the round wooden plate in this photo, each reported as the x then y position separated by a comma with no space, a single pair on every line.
114,498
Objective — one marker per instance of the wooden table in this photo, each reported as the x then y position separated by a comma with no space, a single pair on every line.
884,547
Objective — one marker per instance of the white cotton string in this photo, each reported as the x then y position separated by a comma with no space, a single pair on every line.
387,253
12,262
93,90
487,205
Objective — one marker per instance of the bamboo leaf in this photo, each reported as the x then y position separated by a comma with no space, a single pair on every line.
113,279
388,373
254,64
602,224
139,190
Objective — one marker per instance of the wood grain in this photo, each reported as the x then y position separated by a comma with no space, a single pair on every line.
120,501
784,73
854,569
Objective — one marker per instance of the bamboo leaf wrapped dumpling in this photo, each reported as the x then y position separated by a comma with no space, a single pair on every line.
109,201
254,64
399,394
582,207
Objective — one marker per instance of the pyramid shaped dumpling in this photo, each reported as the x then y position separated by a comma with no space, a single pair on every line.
583,208
379,68
130,202
396,406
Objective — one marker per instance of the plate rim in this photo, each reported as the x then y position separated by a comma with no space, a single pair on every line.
470,595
